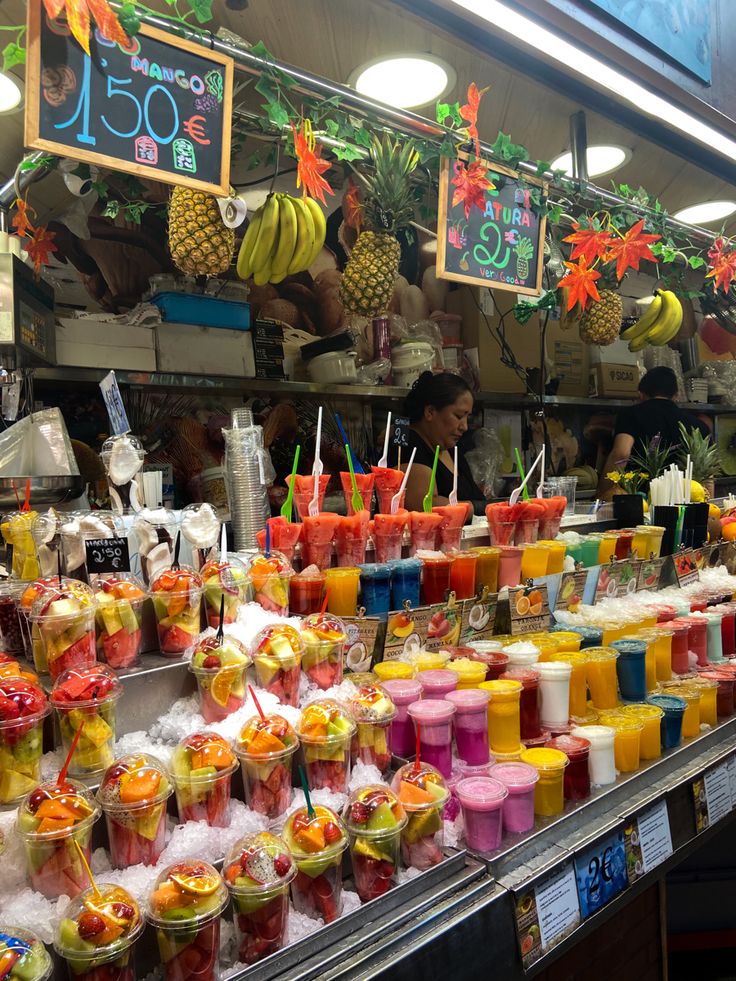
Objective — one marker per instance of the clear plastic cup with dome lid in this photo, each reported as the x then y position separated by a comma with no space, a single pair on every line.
224,580
133,795
83,526
258,872
97,933
23,707
375,818
373,711
200,526
277,657
269,575
422,790
119,597
202,766
324,638
326,729
266,746
122,457
155,532
316,838
23,957
86,699
65,617
219,664
185,907
177,595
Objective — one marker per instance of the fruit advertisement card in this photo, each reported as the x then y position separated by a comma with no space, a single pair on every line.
686,570
647,841
365,641
570,591
650,571
479,618
528,609
707,557
406,630
617,579
546,914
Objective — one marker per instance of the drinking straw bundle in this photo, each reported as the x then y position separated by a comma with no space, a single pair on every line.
672,487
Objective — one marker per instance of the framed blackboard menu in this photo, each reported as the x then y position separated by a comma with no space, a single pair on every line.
160,107
499,244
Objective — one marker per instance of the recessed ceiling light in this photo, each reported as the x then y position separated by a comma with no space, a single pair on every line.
404,81
601,160
708,211
11,93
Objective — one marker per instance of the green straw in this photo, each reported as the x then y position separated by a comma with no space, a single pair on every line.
524,492
286,506
356,500
429,496
305,788
678,526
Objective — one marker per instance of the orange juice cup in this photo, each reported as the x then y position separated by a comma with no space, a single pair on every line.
534,561
556,557
567,640
607,547
342,591
708,700
651,737
640,543
549,797
662,640
627,741
463,574
504,715
601,672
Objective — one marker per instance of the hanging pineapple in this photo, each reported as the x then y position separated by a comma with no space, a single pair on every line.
368,281
524,252
601,322
199,241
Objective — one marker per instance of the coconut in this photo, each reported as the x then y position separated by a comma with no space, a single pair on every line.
201,527
282,310
124,462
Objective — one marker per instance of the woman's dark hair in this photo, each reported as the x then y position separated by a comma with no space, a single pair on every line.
438,390
660,382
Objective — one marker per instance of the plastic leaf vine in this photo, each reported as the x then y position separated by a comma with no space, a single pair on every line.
41,246
591,243
469,113
470,183
723,265
581,283
21,219
78,15
628,250
310,166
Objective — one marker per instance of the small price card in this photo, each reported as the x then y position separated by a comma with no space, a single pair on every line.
546,913
647,840
528,609
686,569
649,572
712,797
107,555
479,618
601,873
617,579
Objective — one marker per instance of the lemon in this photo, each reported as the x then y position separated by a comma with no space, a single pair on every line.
697,492
714,511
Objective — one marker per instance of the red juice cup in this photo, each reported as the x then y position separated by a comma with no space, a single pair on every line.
51,819
351,538
680,634
266,748
269,578
65,617
23,955
23,707
577,775
375,819
326,731
433,719
725,693
177,595
185,908
364,483
482,800
388,482
119,598
219,667
324,638
86,698
435,577
277,658
284,536
530,723
306,591
509,566
224,579
304,492
462,575
258,872
133,795
316,843
451,528
490,653
97,934
402,692
423,530
388,534
423,794
319,533
373,712
470,723
202,766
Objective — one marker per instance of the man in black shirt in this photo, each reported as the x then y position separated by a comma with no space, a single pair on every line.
657,414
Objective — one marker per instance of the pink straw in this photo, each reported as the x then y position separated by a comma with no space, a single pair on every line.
417,759
67,761
324,603
258,706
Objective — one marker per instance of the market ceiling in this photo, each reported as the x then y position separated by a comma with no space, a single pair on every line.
333,37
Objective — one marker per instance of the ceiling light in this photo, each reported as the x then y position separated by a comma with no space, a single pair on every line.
404,81
11,93
708,211
597,72
600,160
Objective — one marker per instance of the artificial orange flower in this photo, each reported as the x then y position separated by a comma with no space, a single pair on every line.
310,166
469,112
723,269
40,247
631,248
471,184
581,283
352,206
78,14
589,242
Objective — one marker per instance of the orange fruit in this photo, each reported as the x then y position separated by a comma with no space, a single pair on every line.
222,684
522,605
410,794
264,742
535,609
535,597
139,785
728,532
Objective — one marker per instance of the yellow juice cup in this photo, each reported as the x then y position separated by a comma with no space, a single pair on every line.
656,533
640,541
647,621
627,741
556,556
486,570
547,648
549,798
662,640
422,660
708,700
469,673
611,632
567,640
651,740
534,561
578,681
341,586
504,726
390,670
601,674
606,547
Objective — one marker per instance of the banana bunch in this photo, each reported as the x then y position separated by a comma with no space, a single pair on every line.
284,237
658,325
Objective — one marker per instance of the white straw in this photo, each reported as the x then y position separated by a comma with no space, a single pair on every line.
396,499
383,462
317,468
223,543
453,492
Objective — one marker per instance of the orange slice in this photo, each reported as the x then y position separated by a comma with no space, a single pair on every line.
222,684
410,793
55,811
264,742
196,885
167,896
139,785
48,825
311,837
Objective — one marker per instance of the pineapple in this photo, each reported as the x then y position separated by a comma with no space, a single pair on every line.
368,281
601,322
524,251
199,241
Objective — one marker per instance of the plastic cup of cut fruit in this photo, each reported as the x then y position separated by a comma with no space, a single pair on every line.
32,643
388,534
375,819
119,599
266,748
326,731
133,795
324,638
219,667
97,934
23,956
423,794
202,766
316,842
277,657
52,820
23,707
185,907
373,711
65,617
258,872
451,527
269,577
86,699
177,595
224,579
10,667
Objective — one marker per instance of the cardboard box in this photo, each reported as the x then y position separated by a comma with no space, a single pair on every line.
614,380
616,353
204,350
83,343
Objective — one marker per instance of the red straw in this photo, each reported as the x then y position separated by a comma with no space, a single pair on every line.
253,696
324,602
27,505
67,761
417,759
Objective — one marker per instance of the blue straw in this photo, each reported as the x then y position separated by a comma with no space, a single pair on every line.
268,540
356,462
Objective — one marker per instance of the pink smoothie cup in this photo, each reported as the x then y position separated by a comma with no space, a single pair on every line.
520,780
437,682
471,724
509,566
433,719
402,692
482,800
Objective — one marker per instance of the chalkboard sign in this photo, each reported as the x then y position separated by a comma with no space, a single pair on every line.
107,555
501,244
158,108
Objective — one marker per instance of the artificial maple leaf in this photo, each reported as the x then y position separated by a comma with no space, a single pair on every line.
581,283
21,220
40,247
352,206
310,167
715,252
469,112
78,14
723,270
592,243
470,183
631,248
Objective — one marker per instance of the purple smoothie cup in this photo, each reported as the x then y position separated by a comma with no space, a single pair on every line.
432,718
437,682
401,737
482,800
520,780
471,724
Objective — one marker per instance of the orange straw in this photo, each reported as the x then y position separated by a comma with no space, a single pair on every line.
27,504
258,706
85,863
67,761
